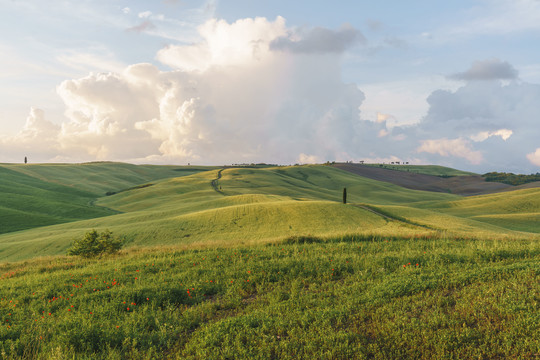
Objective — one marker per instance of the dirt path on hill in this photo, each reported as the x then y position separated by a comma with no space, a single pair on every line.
215,184
388,217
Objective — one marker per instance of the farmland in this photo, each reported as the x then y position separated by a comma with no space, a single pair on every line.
264,262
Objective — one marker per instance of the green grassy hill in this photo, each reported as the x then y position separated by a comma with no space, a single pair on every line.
235,206
517,210
40,195
264,262
99,178
27,202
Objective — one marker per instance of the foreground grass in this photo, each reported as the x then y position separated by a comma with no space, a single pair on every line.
344,298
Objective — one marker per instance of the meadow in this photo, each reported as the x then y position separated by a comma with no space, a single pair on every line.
267,263
342,298
235,206
46,194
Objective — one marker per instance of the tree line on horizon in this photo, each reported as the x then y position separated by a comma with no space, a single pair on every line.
511,178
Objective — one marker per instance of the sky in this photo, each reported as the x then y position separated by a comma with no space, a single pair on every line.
453,83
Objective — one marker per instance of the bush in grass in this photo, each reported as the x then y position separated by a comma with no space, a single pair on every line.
95,244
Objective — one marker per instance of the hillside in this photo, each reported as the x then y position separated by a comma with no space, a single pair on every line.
428,178
517,210
235,206
28,202
47,194
218,259
99,178
435,170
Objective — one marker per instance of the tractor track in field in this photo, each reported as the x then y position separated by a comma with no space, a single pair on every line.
388,217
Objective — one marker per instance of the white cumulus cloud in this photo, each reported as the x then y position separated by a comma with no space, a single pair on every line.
145,14
256,90
241,43
483,135
451,147
230,98
534,157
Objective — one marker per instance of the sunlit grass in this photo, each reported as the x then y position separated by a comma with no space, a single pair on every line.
351,298
269,204
47,194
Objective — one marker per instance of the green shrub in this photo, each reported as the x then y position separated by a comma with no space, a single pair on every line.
95,244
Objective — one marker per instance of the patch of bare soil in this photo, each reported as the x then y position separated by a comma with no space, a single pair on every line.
460,185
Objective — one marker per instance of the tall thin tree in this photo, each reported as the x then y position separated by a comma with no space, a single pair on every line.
344,195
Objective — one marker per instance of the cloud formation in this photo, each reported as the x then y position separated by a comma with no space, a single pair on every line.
258,91
491,69
318,40
489,124
142,27
241,43
229,98
452,147
534,157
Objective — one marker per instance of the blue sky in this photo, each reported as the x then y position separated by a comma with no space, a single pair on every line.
455,83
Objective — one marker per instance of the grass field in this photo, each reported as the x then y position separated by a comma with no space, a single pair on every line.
246,206
517,210
39,195
344,298
28,202
264,262
99,178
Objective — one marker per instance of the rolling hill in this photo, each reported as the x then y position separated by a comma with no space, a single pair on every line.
427,178
230,206
40,195
220,259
